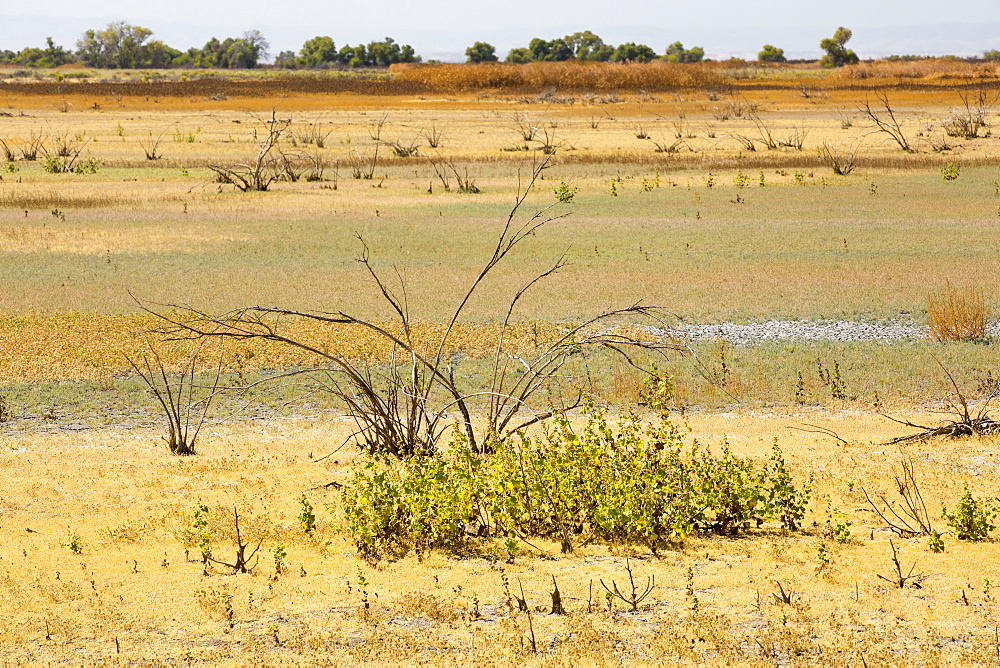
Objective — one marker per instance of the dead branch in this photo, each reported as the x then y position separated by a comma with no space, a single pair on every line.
885,120
816,429
910,517
898,579
965,423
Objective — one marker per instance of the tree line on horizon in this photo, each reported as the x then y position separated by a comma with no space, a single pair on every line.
122,45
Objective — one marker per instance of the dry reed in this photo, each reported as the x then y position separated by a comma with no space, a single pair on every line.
927,68
957,314
576,76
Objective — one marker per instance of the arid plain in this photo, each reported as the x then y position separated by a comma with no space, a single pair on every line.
717,200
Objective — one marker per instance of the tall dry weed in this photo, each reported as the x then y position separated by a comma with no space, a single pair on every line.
576,76
927,68
957,314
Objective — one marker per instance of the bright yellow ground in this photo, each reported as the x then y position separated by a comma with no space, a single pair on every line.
136,593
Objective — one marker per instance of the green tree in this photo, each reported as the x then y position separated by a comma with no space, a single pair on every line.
232,53
588,46
158,55
352,56
481,52
50,56
676,53
519,55
630,52
254,48
771,54
992,55
384,53
287,60
555,50
318,52
119,45
837,55
387,52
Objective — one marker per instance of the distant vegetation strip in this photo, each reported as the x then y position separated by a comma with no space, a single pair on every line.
599,78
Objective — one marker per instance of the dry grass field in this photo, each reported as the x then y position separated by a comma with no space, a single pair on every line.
710,192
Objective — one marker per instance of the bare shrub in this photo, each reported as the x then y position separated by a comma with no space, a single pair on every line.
747,143
316,167
313,133
842,164
885,120
407,150
291,166
242,562
524,128
151,146
898,579
31,147
363,163
404,407
794,139
907,517
766,135
185,404
434,136
259,172
939,144
668,146
375,129
466,183
972,121
956,314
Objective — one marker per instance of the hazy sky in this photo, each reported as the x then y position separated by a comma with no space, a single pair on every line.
445,26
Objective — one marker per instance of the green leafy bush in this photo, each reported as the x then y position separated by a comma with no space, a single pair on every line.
307,518
565,192
636,484
951,171
973,519
419,502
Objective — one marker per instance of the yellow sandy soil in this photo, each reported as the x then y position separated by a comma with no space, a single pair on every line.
137,592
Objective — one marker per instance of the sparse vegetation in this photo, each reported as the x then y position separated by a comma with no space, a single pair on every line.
496,552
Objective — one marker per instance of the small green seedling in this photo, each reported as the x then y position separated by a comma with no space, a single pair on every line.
279,558
306,518
74,543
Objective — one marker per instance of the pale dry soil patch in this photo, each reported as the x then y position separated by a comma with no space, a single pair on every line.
137,590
